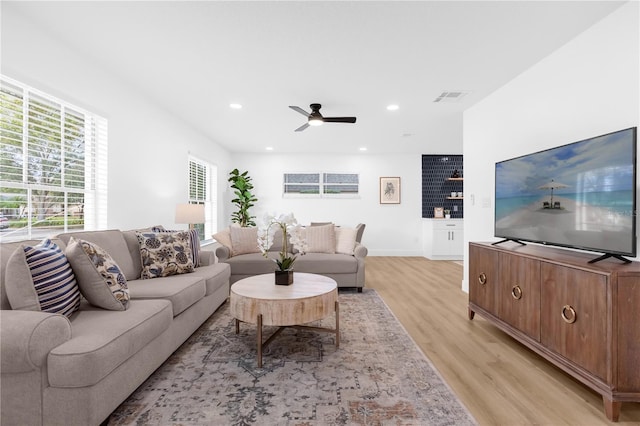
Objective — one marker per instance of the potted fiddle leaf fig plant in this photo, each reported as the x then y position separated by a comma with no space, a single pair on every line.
244,198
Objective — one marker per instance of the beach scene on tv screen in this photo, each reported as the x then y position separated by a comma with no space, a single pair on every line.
578,195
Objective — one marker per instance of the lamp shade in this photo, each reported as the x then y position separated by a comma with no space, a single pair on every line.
190,213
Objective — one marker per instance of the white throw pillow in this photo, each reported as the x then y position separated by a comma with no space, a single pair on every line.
224,238
345,240
321,239
244,240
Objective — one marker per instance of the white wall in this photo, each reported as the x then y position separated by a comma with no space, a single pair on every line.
588,87
148,147
391,229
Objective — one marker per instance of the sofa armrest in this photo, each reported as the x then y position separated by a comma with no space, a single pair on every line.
360,251
28,337
207,258
222,253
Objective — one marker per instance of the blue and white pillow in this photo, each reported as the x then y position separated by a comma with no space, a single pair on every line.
164,253
194,243
100,278
55,289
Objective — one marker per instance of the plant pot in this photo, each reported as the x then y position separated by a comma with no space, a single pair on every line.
447,216
284,277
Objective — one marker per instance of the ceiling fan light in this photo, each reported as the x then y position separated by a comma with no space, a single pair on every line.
315,121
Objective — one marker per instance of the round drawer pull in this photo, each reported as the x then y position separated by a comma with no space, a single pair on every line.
516,292
482,278
569,314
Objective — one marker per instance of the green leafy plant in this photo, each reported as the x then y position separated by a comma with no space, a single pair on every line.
244,199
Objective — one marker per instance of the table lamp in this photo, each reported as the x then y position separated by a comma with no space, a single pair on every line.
190,214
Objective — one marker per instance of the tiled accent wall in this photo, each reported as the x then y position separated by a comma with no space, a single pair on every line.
435,186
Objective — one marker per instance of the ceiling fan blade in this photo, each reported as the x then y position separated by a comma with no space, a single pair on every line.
339,119
301,128
300,110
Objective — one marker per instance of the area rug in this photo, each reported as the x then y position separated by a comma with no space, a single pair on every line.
378,376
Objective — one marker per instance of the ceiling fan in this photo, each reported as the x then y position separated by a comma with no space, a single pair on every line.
316,119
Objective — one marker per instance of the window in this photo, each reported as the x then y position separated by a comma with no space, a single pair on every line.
338,185
302,183
202,190
53,158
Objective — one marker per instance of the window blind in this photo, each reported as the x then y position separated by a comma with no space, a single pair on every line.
202,190
53,158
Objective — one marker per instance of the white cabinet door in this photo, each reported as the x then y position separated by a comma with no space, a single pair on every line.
447,242
444,239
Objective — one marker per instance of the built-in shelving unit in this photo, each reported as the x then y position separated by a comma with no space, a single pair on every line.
441,176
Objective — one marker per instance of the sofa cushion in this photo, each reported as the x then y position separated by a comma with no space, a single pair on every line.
134,252
102,340
359,232
215,276
244,240
113,242
42,280
164,253
181,290
253,264
323,263
345,240
320,239
100,278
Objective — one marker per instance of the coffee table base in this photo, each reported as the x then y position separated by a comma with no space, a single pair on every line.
260,345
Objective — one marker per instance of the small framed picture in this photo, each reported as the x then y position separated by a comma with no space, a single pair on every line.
438,212
389,190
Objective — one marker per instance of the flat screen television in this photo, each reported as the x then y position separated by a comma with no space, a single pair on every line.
581,195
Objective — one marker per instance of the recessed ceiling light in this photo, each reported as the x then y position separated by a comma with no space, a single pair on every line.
392,107
269,148
235,106
364,148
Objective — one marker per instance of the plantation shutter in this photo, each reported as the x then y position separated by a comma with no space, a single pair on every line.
202,185
53,158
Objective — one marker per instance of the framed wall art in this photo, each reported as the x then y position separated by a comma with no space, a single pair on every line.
389,190
438,212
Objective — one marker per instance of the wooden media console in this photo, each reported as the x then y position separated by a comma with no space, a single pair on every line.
582,317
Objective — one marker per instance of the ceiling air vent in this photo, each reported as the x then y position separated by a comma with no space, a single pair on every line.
452,96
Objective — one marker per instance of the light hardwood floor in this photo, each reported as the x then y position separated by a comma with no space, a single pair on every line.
500,381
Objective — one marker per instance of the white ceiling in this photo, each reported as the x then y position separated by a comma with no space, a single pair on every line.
355,58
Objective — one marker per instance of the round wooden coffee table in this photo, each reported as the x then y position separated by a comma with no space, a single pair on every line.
258,300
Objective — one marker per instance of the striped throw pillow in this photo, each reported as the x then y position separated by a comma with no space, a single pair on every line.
53,278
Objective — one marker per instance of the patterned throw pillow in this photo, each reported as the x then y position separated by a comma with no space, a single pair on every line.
56,289
164,253
100,278
194,241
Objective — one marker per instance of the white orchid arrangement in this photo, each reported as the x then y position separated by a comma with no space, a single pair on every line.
291,233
